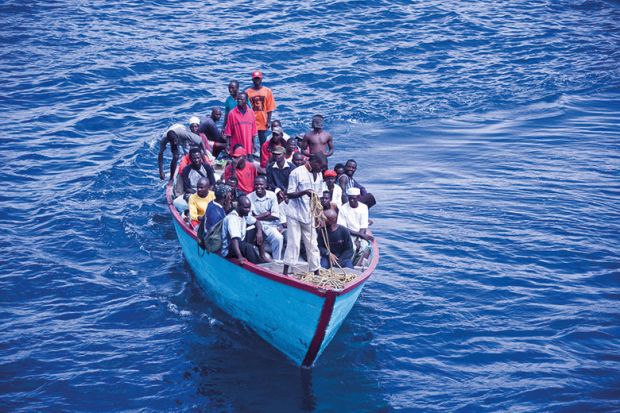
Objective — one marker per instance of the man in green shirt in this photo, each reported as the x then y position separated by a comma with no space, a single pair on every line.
231,101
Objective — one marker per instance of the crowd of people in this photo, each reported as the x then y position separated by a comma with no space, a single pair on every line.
262,208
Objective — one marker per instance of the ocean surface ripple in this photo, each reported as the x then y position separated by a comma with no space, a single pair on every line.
489,132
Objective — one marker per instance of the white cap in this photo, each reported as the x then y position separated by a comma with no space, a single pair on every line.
353,191
194,119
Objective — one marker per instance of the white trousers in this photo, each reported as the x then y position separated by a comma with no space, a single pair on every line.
295,232
275,241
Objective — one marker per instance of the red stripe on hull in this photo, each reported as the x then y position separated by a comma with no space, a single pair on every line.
319,334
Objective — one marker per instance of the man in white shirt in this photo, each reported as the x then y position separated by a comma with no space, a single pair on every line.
354,216
237,240
265,209
304,181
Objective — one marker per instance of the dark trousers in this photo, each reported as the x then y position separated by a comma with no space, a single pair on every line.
248,248
343,263
262,136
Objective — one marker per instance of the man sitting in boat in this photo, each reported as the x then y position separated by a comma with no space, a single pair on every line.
317,139
241,127
298,160
199,201
335,192
266,210
346,181
340,245
354,216
209,128
190,175
305,182
242,169
266,150
291,149
181,140
219,207
242,235
279,171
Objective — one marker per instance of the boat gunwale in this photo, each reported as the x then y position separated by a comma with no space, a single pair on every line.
258,270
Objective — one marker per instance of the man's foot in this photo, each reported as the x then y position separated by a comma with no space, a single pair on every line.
285,270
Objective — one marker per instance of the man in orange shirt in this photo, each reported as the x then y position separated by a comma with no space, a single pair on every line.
263,103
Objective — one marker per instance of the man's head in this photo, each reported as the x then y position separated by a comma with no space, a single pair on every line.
233,88
278,154
275,123
194,122
298,159
260,185
232,183
317,122
216,114
239,155
242,100
326,200
339,168
257,78
329,176
353,194
277,136
317,161
202,187
195,157
221,191
331,217
243,206
350,167
291,145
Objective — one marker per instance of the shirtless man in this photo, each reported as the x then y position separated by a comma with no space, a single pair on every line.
316,139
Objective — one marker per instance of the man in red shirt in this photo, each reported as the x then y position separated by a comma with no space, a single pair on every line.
241,127
263,103
242,169
277,139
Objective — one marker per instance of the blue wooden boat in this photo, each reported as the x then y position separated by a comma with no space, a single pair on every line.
296,317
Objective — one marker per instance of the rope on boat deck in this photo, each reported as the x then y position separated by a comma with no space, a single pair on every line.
327,278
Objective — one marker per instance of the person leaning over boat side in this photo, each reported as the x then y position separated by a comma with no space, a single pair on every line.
335,192
303,182
209,128
354,216
263,104
218,208
279,171
191,174
277,139
242,169
231,101
340,244
199,202
242,234
317,139
241,126
180,140
346,181
265,209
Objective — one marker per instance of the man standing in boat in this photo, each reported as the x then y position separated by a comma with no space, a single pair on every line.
208,126
231,101
263,104
317,139
305,182
241,126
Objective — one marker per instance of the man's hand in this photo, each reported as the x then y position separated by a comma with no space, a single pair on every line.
333,259
242,261
308,192
367,237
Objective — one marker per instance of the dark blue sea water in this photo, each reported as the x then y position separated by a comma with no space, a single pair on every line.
489,131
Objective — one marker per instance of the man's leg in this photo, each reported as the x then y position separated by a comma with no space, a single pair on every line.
180,203
325,262
293,236
275,240
313,255
248,250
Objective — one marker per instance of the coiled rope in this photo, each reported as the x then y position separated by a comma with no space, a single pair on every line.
327,278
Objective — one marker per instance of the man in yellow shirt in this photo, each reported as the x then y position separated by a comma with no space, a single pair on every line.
199,201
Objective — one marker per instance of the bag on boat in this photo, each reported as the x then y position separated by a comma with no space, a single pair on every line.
212,242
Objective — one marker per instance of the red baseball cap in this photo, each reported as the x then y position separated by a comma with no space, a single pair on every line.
329,173
240,151
257,73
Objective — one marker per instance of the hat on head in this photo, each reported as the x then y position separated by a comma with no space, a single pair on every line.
194,120
240,151
221,190
330,172
257,73
277,130
353,191
278,149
